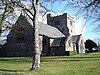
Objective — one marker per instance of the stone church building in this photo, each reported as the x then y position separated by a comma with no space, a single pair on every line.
62,46
56,37
20,39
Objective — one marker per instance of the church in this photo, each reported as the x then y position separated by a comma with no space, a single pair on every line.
69,44
56,37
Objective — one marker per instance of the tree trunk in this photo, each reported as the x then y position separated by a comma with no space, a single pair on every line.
37,52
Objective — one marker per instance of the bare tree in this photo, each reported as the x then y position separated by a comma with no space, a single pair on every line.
7,8
34,18
88,9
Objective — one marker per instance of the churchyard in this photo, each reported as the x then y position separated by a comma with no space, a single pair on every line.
85,64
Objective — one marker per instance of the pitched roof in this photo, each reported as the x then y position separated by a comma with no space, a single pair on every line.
47,30
58,42
61,41
76,38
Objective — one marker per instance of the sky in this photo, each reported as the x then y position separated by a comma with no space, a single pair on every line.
60,8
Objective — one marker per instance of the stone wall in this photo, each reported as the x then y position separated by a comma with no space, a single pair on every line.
64,23
20,39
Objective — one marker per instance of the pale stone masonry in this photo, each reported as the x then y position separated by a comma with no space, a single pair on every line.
66,24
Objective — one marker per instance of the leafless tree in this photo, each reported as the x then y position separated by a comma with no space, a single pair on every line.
6,8
88,9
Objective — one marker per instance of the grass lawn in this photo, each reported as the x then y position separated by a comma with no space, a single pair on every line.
87,64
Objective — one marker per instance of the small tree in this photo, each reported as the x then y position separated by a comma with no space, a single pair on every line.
89,44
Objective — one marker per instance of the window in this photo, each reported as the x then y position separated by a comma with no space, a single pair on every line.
71,23
57,22
71,31
63,29
69,43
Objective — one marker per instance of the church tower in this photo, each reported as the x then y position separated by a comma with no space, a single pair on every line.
64,23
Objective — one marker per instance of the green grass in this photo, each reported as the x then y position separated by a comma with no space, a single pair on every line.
88,64
72,53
